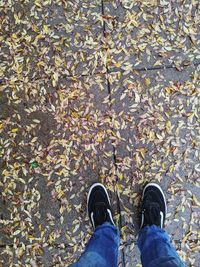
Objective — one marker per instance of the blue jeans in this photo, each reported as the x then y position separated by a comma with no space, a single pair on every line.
153,242
156,248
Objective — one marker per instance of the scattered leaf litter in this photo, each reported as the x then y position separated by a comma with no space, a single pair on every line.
58,133
156,124
142,34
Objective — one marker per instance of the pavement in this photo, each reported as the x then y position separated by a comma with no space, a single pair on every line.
91,91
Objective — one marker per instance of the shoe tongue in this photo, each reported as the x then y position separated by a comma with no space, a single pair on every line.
153,214
100,213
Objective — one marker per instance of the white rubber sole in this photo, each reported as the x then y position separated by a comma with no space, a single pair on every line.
161,191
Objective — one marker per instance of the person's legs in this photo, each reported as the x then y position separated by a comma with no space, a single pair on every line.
156,248
154,243
102,248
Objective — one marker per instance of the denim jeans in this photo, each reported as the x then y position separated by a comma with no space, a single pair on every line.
156,248
153,242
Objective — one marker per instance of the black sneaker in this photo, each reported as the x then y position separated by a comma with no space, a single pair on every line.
99,207
154,206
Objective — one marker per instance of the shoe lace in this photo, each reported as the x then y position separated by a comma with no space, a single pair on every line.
151,212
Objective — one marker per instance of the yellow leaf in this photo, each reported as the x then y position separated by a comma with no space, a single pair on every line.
147,81
169,90
37,3
46,29
151,136
168,127
35,28
41,63
82,56
196,201
171,168
14,35
99,139
39,36
17,20
55,76
16,232
186,237
14,130
118,64
142,151
137,158
61,97
74,114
